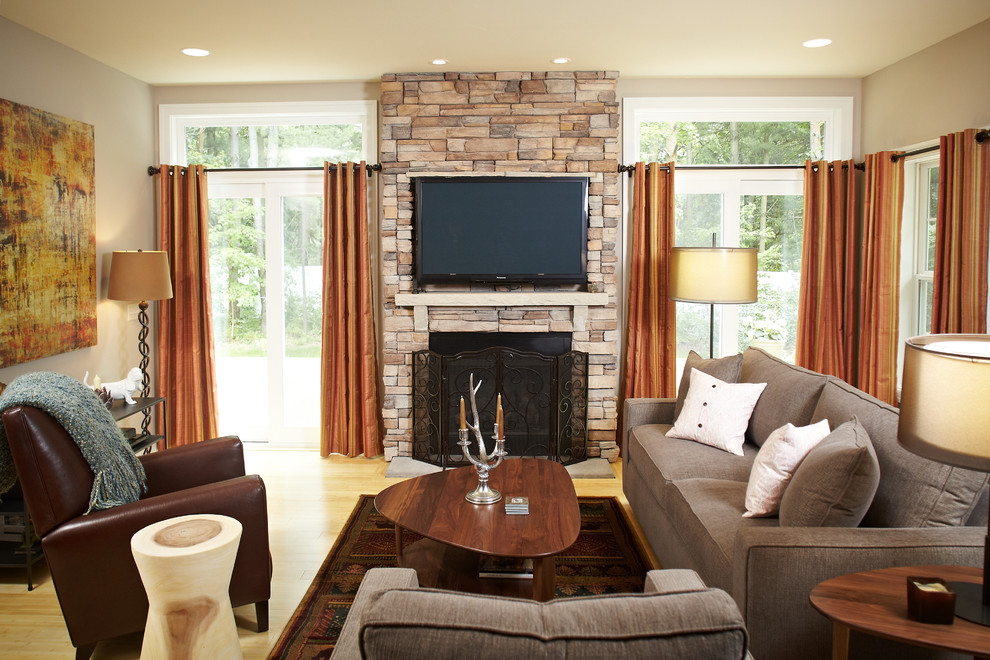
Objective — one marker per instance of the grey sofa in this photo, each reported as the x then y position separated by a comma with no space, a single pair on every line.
677,616
689,499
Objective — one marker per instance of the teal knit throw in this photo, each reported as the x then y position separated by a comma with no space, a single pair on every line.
118,474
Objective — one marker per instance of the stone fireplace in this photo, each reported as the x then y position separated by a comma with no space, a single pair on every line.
542,123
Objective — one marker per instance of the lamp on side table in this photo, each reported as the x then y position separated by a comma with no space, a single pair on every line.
945,416
140,276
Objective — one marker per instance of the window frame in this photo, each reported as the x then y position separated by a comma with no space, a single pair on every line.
272,186
174,118
835,111
914,240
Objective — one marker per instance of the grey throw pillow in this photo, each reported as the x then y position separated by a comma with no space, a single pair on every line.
835,483
725,369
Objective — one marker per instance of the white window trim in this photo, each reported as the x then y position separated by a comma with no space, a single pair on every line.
173,119
836,110
913,235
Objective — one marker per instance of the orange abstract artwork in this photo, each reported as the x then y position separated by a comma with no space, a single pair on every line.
47,235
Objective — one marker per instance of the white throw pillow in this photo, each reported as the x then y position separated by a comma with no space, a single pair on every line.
716,413
776,463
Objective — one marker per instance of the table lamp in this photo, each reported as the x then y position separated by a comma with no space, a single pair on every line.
945,416
140,276
724,275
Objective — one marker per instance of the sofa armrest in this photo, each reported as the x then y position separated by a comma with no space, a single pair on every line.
188,466
636,412
763,556
375,582
673,581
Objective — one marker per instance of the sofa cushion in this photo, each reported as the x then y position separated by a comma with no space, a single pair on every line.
430,624
662,459
716,413
914,491
725,368
706,515
775,464
835,483
790,396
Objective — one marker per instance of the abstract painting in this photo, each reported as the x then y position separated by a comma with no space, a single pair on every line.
47,234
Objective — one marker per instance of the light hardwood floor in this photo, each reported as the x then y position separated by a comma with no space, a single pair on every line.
309,499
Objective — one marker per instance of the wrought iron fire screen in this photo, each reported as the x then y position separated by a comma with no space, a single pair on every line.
544,398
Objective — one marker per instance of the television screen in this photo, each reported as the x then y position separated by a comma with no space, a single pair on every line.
501,229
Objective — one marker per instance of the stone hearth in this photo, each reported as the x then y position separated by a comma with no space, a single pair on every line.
542,123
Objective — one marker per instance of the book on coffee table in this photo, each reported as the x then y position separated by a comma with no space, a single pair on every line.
505,567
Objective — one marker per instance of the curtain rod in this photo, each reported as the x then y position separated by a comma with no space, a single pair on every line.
981,137
629,169
370,167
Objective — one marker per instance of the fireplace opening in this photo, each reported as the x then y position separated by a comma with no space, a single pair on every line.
544,387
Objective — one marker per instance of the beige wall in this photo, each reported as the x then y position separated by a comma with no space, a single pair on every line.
43,74
939,90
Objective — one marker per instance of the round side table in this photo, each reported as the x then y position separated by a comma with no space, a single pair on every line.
875,602
185,564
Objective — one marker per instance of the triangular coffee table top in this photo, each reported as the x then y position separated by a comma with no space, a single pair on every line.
433,505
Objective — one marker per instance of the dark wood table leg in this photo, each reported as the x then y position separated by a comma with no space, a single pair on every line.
398,546
544,577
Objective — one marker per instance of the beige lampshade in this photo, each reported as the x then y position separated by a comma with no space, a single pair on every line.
712,274
945,399
140,275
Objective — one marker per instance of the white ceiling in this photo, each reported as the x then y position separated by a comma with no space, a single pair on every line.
330,40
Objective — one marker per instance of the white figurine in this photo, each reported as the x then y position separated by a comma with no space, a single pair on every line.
97,383
125,389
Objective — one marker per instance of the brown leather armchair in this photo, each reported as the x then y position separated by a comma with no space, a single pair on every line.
89,555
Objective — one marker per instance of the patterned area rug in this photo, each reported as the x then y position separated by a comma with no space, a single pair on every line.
603,560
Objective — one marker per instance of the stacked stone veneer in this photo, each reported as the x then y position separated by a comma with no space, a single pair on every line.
486,123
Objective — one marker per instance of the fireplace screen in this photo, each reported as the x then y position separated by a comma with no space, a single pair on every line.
544,400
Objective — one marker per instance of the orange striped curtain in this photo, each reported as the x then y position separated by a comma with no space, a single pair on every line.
651,339
880,289
828,270
349,405
959,302
187,365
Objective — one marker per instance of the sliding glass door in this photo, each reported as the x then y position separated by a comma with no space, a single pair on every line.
266,253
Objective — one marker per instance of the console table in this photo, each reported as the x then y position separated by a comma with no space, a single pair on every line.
142,404
18,544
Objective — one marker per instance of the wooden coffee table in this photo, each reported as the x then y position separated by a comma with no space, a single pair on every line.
875,602
457,532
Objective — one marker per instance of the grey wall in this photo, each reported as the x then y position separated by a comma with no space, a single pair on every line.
43,74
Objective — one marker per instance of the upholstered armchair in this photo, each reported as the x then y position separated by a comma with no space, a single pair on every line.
89,555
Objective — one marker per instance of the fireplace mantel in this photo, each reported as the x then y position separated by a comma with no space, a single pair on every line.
578,300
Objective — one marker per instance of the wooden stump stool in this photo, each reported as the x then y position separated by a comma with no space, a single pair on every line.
185,564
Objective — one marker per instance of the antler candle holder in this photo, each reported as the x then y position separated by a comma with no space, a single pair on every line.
485,463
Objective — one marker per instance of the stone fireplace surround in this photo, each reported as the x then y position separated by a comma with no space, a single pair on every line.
543,123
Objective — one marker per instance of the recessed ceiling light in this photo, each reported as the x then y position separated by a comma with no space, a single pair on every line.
561,60
439,61
195,52
816,43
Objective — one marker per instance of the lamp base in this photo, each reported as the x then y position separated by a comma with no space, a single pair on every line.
969,602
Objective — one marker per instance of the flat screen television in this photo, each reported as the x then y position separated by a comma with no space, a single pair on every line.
501,229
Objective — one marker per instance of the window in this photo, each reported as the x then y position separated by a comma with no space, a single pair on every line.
740,199
918,247
266,251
